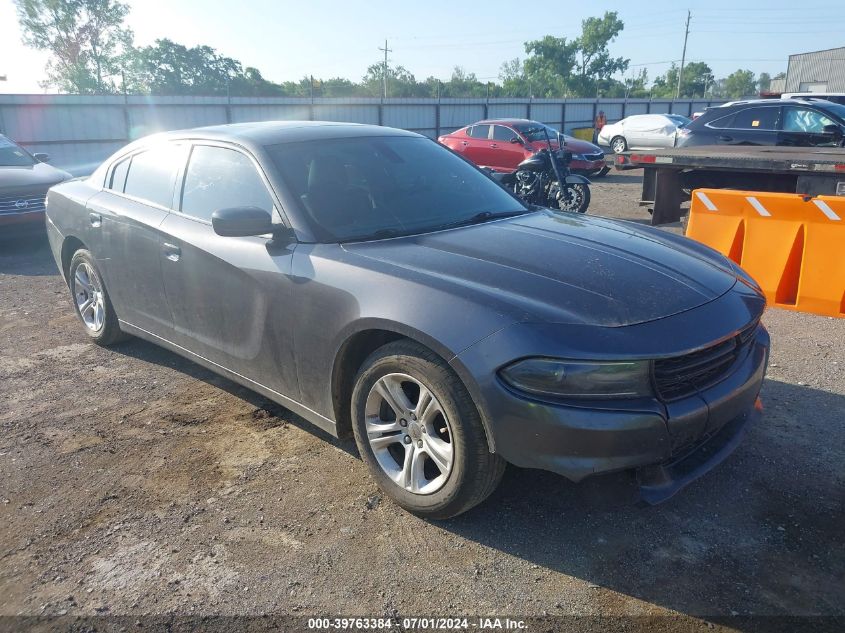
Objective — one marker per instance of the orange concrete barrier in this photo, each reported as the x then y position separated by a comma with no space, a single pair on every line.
793,245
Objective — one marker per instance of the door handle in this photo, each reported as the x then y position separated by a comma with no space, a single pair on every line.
171,251
725,138
493,145
95,219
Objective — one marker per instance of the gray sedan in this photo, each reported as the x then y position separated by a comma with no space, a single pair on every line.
373,282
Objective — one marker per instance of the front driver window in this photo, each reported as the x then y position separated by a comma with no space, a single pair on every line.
502,133
222,178
805,120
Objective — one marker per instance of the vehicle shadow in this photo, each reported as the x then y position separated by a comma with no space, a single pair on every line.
28,256
761,534
150,353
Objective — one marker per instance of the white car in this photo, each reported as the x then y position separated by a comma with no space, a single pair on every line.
642,131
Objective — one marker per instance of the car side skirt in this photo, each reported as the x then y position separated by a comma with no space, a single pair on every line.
315,418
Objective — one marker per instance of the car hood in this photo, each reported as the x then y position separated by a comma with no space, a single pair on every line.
39,174
561,267
574,145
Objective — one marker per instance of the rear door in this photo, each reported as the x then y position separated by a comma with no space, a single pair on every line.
129,211
749,126
478,143
805,127
505,154
230,296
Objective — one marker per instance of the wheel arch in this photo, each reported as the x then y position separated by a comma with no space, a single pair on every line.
70,245
359,344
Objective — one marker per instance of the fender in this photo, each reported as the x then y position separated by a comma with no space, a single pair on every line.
574,179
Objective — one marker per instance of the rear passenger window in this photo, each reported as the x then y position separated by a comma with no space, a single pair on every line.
152,174
479,131
118,175
756,119
221,178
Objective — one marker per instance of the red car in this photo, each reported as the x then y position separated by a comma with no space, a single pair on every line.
501,144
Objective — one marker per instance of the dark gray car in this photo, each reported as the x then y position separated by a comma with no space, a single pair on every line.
371,281
24,181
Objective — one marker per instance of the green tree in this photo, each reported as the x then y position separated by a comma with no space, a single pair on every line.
595,65
463,84
696,79
513,78
764,82
87,40
400,82
549,66
174,69
740,83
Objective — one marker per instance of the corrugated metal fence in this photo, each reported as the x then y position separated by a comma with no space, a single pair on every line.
80,131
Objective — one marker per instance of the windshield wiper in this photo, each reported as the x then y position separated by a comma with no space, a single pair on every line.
478,218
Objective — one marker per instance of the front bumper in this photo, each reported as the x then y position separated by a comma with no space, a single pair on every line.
580,439
587,167
19,224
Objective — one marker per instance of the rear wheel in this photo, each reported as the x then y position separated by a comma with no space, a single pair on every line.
618,144
91,300
420,434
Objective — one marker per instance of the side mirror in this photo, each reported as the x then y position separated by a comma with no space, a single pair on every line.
833,130
41,157
241,222
517,140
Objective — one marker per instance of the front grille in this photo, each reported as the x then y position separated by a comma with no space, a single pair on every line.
592,157
681,376
24,202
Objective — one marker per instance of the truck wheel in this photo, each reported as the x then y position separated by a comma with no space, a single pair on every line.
420,434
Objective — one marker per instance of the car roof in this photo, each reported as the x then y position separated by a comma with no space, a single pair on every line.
774,102
263,133
507,121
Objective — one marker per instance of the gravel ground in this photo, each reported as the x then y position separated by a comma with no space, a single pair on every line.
133,482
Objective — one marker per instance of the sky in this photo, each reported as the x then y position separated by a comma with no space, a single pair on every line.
327,38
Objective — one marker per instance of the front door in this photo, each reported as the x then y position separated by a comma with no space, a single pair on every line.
805,127
505,154
230,296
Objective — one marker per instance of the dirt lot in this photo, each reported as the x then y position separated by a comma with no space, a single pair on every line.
133,482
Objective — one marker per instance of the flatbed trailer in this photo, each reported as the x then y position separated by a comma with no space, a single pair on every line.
671,174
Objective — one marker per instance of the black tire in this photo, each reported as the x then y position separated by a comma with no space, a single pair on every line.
602,172
618,144
109,332
475,473
575,198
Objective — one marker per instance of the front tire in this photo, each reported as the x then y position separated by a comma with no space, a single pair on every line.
575,197
91,300
420,433
618,144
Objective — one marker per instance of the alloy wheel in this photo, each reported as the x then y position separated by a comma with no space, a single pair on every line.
409,433
88,294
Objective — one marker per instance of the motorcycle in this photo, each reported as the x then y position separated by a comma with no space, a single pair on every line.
545,179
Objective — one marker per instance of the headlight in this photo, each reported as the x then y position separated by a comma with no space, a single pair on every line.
578,157
580,379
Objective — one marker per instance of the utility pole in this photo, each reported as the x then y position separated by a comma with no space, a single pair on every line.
683,56
384,68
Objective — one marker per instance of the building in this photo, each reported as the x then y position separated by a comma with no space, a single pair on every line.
819,71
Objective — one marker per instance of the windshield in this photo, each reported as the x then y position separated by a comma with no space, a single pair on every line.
13,155
536,132
375,187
